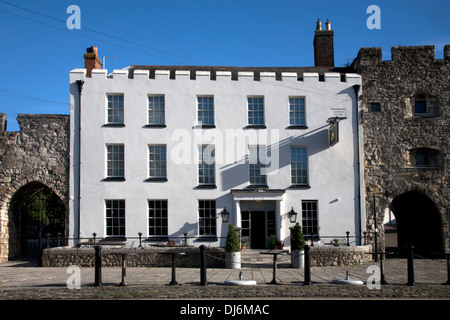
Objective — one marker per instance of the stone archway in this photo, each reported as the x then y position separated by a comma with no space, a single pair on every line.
418,223
35,156
35,211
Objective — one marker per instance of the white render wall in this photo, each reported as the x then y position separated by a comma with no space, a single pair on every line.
333,171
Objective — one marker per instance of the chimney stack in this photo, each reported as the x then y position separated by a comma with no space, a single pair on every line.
323,45
91,61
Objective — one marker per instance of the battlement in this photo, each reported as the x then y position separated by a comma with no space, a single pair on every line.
307,74
412,55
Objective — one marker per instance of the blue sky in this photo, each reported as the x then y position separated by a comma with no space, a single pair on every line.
38,50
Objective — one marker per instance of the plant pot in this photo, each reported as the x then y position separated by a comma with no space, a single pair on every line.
298,259
233,260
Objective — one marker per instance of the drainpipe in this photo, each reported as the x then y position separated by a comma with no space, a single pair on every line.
356,88
80,88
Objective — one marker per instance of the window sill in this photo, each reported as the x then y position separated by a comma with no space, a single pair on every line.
157,238
206,186
205,126
257,186
255,126
109,239
114,125
155,126
155,180
297,128
206,239
114,179
306,186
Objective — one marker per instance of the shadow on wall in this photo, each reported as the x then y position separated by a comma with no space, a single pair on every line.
237,173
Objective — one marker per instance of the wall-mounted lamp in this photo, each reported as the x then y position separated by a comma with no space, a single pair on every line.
292,215
225,215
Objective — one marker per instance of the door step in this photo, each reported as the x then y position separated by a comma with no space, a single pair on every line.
252,258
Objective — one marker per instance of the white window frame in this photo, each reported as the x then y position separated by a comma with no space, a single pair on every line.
254,112
201,111
295,178
257,164
300,112
160,217
114,162
115,219
121,111
206,165
213,219
161,109
161,162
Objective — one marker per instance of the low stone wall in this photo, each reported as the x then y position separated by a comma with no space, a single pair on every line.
328,255
136,257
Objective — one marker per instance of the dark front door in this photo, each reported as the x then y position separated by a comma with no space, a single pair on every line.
258,229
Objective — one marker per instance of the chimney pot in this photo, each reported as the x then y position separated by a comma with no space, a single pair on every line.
318,25
328,25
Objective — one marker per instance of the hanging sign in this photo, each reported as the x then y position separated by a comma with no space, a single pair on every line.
333,133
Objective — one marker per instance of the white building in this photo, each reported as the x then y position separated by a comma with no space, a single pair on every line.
164,151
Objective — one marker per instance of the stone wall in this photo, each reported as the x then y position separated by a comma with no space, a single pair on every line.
36,155
329,256
321,256
393,131
136,257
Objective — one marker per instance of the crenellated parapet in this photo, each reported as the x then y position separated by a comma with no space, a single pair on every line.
306,75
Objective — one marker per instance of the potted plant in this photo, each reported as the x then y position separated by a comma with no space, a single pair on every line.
232,249
273,242
297,247
244,245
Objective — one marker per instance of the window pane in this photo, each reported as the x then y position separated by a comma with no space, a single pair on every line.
115,217
115,161
420,106
207,217
156,110
157,217
115,109
157,161
297,111
310,217
299,166
206,165
257,160
255,110
205,113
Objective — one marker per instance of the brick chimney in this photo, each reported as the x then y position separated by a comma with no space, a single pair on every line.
91,61
323,45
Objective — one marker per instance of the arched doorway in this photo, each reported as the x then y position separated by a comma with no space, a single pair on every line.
35,210
418,223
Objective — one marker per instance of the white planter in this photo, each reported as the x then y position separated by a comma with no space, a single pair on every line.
298,259
233,260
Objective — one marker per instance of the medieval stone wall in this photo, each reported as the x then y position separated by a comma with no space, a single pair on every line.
393,130
36,155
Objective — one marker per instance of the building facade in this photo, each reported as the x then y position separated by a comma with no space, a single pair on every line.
165,151
405,105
